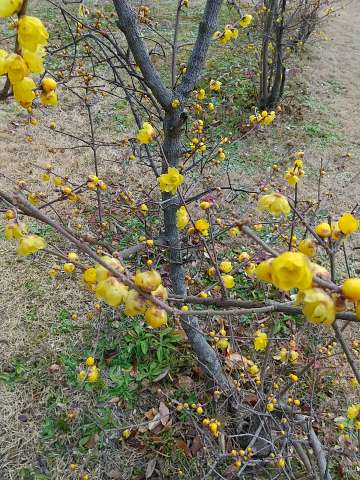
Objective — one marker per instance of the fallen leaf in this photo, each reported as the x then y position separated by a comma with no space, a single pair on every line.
54,368
235,360
184,447
155,422
164,413
93,440
196,446
150,467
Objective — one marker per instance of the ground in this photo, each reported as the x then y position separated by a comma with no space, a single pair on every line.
37,333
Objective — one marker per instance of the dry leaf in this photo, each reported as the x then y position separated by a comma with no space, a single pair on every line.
186,382
164,413
162,375
183,446
150,467
235,360
93,440
155,422
197,445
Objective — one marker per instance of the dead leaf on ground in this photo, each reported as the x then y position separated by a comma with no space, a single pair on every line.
184,447
196,445
164,413
150,467
235,360
93,440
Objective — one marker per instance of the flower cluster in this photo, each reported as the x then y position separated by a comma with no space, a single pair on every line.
264,118
293,174
32,37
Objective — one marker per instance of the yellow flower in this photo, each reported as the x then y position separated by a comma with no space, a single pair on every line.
294,378
243,257
102,273
348,224
281,463
318,306
250,268
270,407
14,231
291,270
274,203
112,291
148,281
30,244
89,276
126,434
246,20
146,134
202,226
9,7
49,99
69,267
170,181
228,281
267,118
353,411
291,177
336,233
31,33
48,84
134,304
182,217
90,361
34,60
215,85
351,289
175,103
234,232
263,271
260,340
225,266
16,67
211,107
93,375
201,94
3,62
323,230
293,356
155,317
222,344
307,247
82,375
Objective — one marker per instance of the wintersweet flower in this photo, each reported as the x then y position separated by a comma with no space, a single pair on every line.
291,270
89,276
94,374
14,231
24,90
30,244
155,316
323,230
353,411
351,289
246,20
182,217
336,233
348,224
267,118
102,273
225,266
260,340
215,85
307,247
275,203
34,60
146,134
3,63
9,7
202,226
49,99
263,271
31,33
49,84
148,281
291,177
170,181
135,304
112,291
16,67
318,306
228,281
